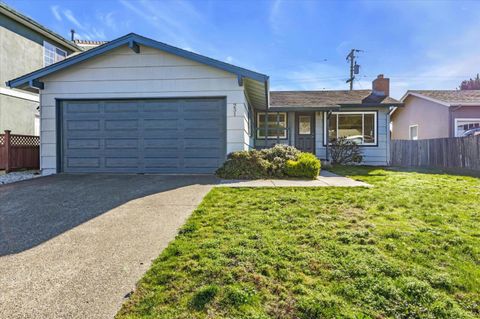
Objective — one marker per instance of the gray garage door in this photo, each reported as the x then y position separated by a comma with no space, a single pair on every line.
143,136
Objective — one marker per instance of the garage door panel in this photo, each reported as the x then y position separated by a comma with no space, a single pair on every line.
83,162
206,133
160,123
121,107
83,143
83,107
121,124
150,136
161,143
161,162
83,125
121,143
201,162
122,162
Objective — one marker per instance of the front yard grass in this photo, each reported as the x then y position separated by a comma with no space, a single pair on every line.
407,248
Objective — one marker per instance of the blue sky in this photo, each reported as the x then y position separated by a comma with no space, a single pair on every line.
301,45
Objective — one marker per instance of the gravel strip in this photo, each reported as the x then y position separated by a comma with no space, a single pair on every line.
17,176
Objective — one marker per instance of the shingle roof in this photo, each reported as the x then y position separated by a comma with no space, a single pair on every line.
328,98
89,42
451,96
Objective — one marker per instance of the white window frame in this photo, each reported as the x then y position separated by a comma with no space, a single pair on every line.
56,48
462,119
375,121
410,137
284,134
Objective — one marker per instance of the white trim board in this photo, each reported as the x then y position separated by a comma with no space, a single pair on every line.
20,95
461,119
410,132
375,117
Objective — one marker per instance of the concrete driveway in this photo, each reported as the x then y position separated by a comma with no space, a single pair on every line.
73,246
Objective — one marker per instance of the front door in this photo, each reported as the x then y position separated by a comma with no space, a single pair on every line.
305,131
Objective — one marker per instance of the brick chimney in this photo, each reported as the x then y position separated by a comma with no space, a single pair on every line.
381,86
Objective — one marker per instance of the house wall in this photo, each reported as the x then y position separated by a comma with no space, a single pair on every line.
432,119
372,155
465,112
121,73
21,52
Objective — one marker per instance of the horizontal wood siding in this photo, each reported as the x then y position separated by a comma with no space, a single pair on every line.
456,153
372,155
122,73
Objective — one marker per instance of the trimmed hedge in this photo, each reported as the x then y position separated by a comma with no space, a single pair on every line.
270,163
307,165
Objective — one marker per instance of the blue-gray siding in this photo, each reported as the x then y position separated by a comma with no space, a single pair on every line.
144,136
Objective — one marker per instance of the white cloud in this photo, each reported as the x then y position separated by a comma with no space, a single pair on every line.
56,13
164,16
108,20
71,17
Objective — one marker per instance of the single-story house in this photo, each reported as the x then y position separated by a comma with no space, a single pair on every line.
135,105
435,114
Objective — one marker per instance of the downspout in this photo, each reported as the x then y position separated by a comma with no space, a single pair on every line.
266,112
451,127
328,114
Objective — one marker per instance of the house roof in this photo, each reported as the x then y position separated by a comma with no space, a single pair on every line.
132,40
89,42
34,25
448,97
256,84
328,99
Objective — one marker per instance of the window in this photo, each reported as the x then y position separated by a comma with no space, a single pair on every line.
274,128
413,132
463,125
360,127
52,54
304,123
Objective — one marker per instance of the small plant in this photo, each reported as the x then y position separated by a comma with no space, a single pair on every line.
255,164
203,297
343,151
307,165
244,165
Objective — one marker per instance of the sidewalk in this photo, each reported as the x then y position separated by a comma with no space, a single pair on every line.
325,179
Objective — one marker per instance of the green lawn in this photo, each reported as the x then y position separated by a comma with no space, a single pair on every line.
407,248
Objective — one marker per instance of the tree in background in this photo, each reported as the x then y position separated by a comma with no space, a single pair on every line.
472,84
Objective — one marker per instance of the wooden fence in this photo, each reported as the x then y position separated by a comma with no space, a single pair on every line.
19,152
454,153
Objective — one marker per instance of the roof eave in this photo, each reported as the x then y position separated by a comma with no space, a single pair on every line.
240,72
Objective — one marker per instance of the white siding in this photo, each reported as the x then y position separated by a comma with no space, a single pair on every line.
372,155
121,73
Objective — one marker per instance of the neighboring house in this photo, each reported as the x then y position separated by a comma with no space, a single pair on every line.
141,106
436,114
88,44
25,46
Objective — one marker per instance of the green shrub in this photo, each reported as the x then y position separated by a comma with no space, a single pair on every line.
203,296
244,165
307,165
277,156
255,164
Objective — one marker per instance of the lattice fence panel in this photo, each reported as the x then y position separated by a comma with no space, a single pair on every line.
24,140
2,139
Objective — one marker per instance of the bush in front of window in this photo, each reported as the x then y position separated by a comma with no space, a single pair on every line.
277,156
244,165
269,163
344,151
307,165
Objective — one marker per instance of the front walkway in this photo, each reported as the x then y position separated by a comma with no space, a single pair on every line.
326,178
72,246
